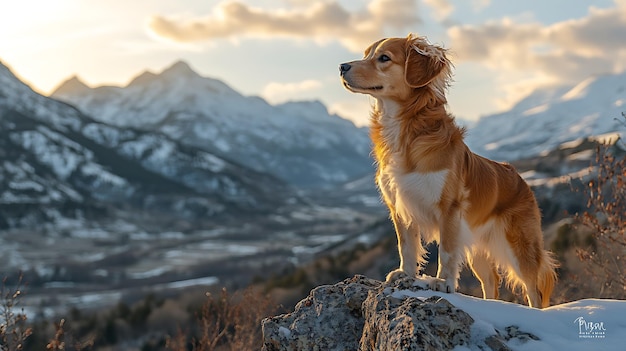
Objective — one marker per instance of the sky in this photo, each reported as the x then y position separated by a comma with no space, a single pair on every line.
286,50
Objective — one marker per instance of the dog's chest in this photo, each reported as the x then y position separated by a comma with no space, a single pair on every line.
415,196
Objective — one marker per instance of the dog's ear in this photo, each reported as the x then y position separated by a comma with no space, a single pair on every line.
421,67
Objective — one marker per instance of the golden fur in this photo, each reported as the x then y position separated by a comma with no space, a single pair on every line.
436,189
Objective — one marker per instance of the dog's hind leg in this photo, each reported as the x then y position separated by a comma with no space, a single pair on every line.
486,271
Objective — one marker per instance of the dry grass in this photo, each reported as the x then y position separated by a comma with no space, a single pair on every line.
13,327
606,218
227,322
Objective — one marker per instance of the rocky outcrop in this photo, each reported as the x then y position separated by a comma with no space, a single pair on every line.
330,318
367,314
410,323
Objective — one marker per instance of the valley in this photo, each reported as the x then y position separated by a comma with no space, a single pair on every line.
86,264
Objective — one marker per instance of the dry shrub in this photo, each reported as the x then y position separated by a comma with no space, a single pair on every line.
61,340
228,321
13,328
606,218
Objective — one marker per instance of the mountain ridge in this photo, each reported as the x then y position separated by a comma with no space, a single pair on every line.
549,117
73,85
542,120
55,158
290,141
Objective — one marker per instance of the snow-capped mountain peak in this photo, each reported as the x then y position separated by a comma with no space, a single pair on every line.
551,116
145,78
74,85
182,78
313,110
180,68
291,140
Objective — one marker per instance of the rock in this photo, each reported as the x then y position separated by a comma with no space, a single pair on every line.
498,342
366,314
411,323
330,318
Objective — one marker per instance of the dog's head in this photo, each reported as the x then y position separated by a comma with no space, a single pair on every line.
393,68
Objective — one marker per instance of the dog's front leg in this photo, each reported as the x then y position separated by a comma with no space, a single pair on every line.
449,253
409,247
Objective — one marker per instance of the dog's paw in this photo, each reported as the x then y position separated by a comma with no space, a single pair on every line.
443,285
396,275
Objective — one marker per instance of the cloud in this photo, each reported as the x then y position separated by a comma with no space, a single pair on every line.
563,52
277,93
320,21
479,5
442,8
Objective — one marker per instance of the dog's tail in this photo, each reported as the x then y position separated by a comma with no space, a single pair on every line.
547,277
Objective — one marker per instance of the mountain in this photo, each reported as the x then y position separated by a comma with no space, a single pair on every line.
59,163
299,142
549,117
72,86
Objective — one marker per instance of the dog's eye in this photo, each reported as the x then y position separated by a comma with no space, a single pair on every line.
384,58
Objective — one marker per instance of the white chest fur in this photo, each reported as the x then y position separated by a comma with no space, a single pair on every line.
414,196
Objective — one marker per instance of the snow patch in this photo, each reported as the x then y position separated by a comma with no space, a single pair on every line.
536,110
206,281
558,327
585,155
103,176
579,90
284,332
210,162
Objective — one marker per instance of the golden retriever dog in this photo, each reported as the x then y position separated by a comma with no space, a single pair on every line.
436,189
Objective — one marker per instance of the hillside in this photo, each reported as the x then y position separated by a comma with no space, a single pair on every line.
551,116
60,163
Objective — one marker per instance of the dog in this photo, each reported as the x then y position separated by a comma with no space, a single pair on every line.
479,211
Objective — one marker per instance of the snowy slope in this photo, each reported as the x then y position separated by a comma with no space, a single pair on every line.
55,159
550,116
557,327
293,141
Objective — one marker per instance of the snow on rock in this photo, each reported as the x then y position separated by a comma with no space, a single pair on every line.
104,176
106,135
63,158
210,162
366,314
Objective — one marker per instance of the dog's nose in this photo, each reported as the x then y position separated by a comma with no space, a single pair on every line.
343,68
